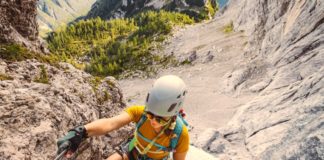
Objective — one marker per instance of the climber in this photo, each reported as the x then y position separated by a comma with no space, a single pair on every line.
160,133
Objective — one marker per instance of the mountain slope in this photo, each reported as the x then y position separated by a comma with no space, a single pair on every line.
40,102
286,69
108,9
272,64
56,13
273,82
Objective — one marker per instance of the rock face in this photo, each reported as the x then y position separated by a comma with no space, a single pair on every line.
196,153
34,115
286,68
18,23
108,9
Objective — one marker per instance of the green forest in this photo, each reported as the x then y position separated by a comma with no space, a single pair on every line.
111,47
118,47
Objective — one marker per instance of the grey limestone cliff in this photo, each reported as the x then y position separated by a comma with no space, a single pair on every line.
34,115
286,69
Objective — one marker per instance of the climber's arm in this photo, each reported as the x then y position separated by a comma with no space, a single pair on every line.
103,126
179,156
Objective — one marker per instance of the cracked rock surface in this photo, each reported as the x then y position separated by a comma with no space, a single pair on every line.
34,115
285,120
18,23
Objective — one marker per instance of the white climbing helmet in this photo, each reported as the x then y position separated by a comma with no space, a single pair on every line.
166,96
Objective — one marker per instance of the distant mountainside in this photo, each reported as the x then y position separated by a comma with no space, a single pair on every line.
55,13
108,9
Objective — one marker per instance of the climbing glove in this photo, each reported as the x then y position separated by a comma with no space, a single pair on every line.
72,140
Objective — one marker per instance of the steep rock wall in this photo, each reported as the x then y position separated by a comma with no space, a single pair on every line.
18,23
34,115
286,69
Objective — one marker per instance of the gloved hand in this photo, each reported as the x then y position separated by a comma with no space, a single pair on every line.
72,140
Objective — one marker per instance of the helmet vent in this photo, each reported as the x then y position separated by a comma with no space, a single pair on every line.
147,97
179,96
184,93
172,107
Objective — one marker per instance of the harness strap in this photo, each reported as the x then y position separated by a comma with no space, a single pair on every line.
139,125
173,142
177,130
150,145
148,141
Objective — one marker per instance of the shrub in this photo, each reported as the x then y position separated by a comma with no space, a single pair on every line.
211,8
43,77
16,52
228,28
5,77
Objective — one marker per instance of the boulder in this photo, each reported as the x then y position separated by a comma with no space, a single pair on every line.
209,57
18,23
